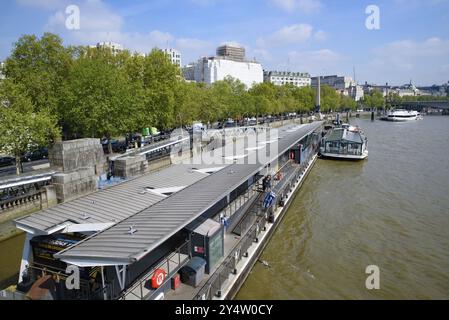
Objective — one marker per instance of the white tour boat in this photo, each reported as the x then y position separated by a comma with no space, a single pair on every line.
400,115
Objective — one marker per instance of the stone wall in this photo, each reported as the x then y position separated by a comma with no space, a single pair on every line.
79,163
72,155
74,184
130,166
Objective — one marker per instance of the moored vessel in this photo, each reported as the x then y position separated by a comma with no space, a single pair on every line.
344,142
401,115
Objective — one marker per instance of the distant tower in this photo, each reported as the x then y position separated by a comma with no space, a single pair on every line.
318,96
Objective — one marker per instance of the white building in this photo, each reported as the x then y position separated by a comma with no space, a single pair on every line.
115,47
356,92
174,55
2,65
210,70
338,83
279,78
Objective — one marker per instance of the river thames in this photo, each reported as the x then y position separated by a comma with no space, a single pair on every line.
391,210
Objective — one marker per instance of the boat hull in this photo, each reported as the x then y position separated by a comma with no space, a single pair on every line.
396,119
344,156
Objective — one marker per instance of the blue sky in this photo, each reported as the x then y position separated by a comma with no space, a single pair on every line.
316,36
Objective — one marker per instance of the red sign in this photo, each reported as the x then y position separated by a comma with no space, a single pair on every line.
158,278
198,249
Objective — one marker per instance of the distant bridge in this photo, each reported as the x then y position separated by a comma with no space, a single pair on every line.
419,105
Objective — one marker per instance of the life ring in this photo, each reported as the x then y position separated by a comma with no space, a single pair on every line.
279,176
158,278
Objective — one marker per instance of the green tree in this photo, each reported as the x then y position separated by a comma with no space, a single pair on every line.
347,103
375,100
160,78
40,66
22,127
99,100
330,99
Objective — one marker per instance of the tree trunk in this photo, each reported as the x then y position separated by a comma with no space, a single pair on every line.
18,165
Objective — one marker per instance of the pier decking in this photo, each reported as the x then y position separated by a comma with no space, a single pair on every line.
138,219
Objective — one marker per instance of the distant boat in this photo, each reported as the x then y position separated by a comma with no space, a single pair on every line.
401,115
345,143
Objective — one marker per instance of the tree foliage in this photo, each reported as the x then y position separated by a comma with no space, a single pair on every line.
23,127
92,92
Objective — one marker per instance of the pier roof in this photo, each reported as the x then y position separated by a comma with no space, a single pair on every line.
109,206
134,237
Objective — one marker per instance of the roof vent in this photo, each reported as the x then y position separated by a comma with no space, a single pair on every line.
132,230
85,216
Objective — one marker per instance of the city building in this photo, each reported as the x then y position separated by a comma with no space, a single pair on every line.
436,90
115,47
174,55
369,88
356,92
2,65
231,52
211,69
188,72
338,83
342,84
279,78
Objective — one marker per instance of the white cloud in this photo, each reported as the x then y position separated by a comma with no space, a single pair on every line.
316,62
291,35
304,6
405,59
99,23
262,54
192,49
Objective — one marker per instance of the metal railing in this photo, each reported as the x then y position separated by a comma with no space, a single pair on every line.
86,290
213,286
137,288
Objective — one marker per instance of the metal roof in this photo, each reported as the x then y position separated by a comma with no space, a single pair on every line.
343,134
110,205
154,225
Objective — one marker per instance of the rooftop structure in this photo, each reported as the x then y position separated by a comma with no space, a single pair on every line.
231,52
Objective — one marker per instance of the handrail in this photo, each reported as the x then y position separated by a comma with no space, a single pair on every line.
142,278
243,244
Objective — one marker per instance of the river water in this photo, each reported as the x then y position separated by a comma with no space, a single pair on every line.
392,211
